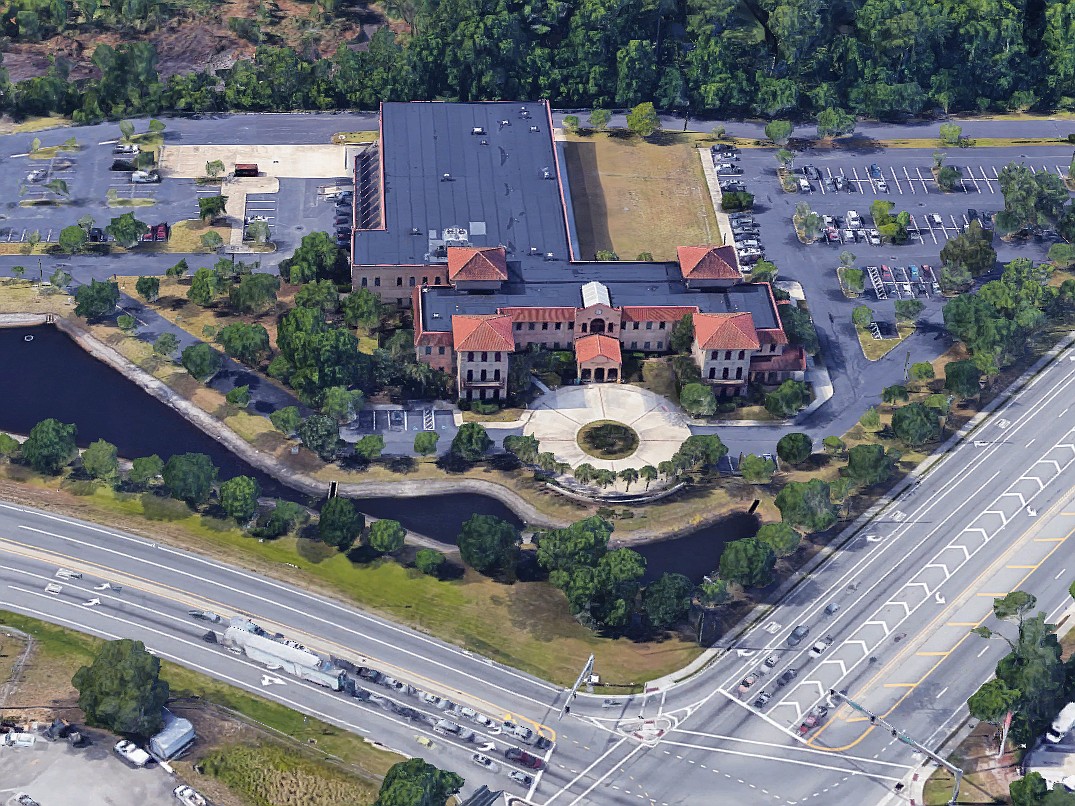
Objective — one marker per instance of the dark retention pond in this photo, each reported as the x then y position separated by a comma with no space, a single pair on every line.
51,376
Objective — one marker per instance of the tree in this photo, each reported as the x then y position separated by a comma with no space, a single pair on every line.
700,450
178,270
667,600
908,309
321,435
799,328
340,523
787,399
894,393
189,477
201,361
834,123
370,447
341,403
1030,790
643,120
386,536
319,294
239,497
648,474
121,690
785,157
286,420
571,123
765,271
425,443
922,372
914,424
599,119
362,308
869,464
416,783
254,293
148,288
794,448
50,446
72,239
96,300
871,419
211,240
247,343
962,379
862,316
204,287
18,272
714,593
855,280
951,134
211,207
806,506
126,229
698,399
58,186
317,258
747,562
489,545
126,129
524,448
470,442
628,476
144,470
779,131
429,562
834,446
1062,255
214,168
681,339
781,538
126,322
992,702
948,178
972,250
99,460
938,159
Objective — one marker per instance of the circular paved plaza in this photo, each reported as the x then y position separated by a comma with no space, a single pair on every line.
557,417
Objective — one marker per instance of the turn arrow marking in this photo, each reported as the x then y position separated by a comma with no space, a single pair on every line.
91,603
269,680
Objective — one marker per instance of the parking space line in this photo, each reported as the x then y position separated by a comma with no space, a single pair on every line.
910,184
897,181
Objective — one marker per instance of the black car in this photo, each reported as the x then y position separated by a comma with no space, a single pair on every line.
542,743
361,694
810,172
787,677
370,674
972,214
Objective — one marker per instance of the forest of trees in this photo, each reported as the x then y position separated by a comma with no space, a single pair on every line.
875,58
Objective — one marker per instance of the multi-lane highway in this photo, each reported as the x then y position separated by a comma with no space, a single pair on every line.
898,603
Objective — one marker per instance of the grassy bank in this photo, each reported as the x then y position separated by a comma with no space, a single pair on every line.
232,746
526,625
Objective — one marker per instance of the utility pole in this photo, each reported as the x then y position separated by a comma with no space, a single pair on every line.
584,677
903,737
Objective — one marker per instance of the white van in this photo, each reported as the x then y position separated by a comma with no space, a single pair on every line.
804,185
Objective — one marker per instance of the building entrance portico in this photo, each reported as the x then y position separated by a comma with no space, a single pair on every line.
598,359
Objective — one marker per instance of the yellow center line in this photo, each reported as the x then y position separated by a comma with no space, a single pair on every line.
994,595
962,624
1049,539
898,658
1022,567
932,654
901,685
184,599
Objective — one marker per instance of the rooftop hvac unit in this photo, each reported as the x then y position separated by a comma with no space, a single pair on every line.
534,129
478,130
446,177
548,256
546,173
455,235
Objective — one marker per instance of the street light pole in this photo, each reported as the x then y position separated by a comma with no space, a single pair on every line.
957,773
584,676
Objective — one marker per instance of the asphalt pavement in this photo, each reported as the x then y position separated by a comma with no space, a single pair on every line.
994,515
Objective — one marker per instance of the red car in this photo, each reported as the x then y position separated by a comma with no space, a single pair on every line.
524,758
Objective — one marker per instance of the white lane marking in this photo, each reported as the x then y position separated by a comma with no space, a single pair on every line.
800,748
984,650
941,693
800,762
597,761
1062,572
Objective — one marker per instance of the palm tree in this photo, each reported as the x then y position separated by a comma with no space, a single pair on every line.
18,271
605,478
585,473
629,475
649,473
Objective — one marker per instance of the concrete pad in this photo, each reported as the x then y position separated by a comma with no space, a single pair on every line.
559,415
307,161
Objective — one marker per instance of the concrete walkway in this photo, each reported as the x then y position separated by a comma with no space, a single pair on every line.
558,416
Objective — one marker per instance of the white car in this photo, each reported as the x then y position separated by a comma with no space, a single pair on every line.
874,237
132,752
853,220
882,185
67,573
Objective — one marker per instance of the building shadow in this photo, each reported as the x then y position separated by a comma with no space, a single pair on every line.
587,199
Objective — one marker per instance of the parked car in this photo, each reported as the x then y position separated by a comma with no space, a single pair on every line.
854,220
874,237
848,236
875,171
188,796
522,757
841,182
798,634
425,741
728,168
813,719
763,699
787,677
829,182
749,243
832,235
810,172
484,761
805,186
882,185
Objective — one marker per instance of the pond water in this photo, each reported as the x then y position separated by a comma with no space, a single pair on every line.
51,376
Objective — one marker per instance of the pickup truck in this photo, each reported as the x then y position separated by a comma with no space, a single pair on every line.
132,753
